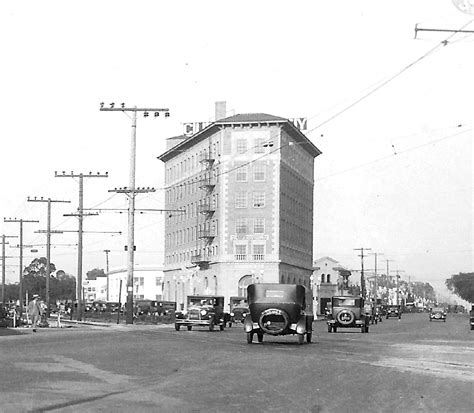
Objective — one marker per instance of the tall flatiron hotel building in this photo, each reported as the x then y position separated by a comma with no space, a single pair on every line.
240,196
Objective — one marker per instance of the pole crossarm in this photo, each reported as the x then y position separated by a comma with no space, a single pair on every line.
63,174
419,29
136,210
45,231
126,190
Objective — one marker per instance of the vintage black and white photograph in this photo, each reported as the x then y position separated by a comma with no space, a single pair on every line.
252,206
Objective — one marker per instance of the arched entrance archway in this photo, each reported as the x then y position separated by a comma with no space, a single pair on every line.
244,282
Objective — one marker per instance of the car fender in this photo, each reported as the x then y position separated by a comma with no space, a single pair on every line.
248,324
301,325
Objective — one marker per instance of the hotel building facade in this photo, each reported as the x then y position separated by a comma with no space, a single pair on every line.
239,196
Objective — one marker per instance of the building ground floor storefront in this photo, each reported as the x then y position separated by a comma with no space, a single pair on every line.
229,279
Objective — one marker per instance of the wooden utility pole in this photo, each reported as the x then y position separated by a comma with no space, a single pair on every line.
362,279
80,215
4,264
48,243
375,254
107,270
20,286
131,191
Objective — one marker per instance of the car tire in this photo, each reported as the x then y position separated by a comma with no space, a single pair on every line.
249,338
221,327
366,329
300,338
334,328
329,329
308,337
260,337
190,328
211,326
362,329
176,327
230,325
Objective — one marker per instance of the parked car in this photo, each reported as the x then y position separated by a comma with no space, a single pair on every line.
277,310
438,314
471,320
239,308
393,311
348,312
202,310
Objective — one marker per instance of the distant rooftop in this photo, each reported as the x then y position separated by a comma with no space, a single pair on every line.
252,117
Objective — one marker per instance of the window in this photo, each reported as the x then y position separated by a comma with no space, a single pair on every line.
259,172
258,199
240,252
157,281
241,145
259,226
241,199
259,148
241,174
241,226
258,252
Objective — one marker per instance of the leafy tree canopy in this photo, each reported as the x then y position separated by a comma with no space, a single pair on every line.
96,272
462,285
37,268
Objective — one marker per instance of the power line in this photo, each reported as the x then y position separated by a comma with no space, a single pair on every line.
385,82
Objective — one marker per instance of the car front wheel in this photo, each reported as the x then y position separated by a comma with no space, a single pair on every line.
221,327
260,338
249,338
308,337
329,329
190,328
300,338
176,327
211,326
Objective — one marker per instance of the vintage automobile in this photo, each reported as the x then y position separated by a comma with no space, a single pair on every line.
239,308
348,312
277,310
438,314
202,310
471,319
393,311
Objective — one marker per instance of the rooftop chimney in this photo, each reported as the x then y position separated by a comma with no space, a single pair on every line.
220,110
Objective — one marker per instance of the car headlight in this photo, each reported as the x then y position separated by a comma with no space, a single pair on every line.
231,314
203,312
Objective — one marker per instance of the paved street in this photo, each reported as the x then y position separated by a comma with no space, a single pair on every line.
409,365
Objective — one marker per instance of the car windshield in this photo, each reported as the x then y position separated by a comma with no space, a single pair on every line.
438,309
346,302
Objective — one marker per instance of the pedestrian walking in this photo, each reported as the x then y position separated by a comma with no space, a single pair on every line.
35,311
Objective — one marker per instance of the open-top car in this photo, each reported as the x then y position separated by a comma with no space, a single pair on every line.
348,312
239,308
202,310
393,311
277,310
438,314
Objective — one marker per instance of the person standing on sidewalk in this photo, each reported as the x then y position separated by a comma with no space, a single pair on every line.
35,311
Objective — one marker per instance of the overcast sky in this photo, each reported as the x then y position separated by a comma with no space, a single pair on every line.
392,115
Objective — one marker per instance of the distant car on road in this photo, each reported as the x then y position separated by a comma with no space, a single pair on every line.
393,311
239,308
438,314
471,320
203,310
348,312
277,310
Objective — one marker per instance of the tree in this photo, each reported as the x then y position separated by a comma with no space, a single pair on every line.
96,272
462,285
62,286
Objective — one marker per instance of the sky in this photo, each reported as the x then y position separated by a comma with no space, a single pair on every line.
392,114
